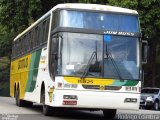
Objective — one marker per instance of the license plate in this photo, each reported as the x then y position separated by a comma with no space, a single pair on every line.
69,102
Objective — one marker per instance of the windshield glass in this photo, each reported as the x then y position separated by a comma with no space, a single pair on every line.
79,51
150,91
124,60
101,21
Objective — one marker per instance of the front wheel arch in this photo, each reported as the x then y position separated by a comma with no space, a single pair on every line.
42,92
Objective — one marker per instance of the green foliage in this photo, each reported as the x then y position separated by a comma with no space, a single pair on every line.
4,67
150,14
4,75
4,61
124,3
6,38
14,14
94,1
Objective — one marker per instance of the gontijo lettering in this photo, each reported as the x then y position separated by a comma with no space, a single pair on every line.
23,63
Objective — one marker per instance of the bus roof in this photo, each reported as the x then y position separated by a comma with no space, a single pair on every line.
83,7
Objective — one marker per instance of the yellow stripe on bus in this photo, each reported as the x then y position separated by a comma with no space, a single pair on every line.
89,81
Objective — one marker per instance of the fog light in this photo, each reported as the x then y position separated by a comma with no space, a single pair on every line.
134,100
70,97
127,100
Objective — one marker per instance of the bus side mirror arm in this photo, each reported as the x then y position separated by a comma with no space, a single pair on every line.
145,49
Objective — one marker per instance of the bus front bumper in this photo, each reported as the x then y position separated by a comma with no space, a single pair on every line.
95,99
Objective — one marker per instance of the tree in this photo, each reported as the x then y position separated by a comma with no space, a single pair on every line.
6,38
14,14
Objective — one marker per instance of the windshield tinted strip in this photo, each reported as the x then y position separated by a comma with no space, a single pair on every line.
101,21
92,31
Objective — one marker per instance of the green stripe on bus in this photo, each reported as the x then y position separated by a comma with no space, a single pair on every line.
125,83
131,83
33,71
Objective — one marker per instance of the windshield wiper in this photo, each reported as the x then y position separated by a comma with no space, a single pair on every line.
109,56
93,55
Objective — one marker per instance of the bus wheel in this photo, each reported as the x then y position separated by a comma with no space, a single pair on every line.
109,113
47,110
19,102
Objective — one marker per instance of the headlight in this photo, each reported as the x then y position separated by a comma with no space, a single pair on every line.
150,98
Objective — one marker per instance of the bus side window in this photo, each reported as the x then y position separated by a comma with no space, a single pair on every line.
22,46
44,29
33,37
31,40
47,28
36,37
28,42
19,47
55,19
15,49
53,56
39,35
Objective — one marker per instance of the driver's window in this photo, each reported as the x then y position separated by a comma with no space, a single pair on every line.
53,56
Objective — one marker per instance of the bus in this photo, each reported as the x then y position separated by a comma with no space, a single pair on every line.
79,56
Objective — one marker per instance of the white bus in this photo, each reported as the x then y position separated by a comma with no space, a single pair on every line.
82,56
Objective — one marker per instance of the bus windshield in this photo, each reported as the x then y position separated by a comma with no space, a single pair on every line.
101,21
123,57
77,50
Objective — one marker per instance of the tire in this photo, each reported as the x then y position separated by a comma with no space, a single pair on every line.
19,102
47,110
109,113
156,105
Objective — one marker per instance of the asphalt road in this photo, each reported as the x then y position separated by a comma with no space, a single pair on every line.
9,111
